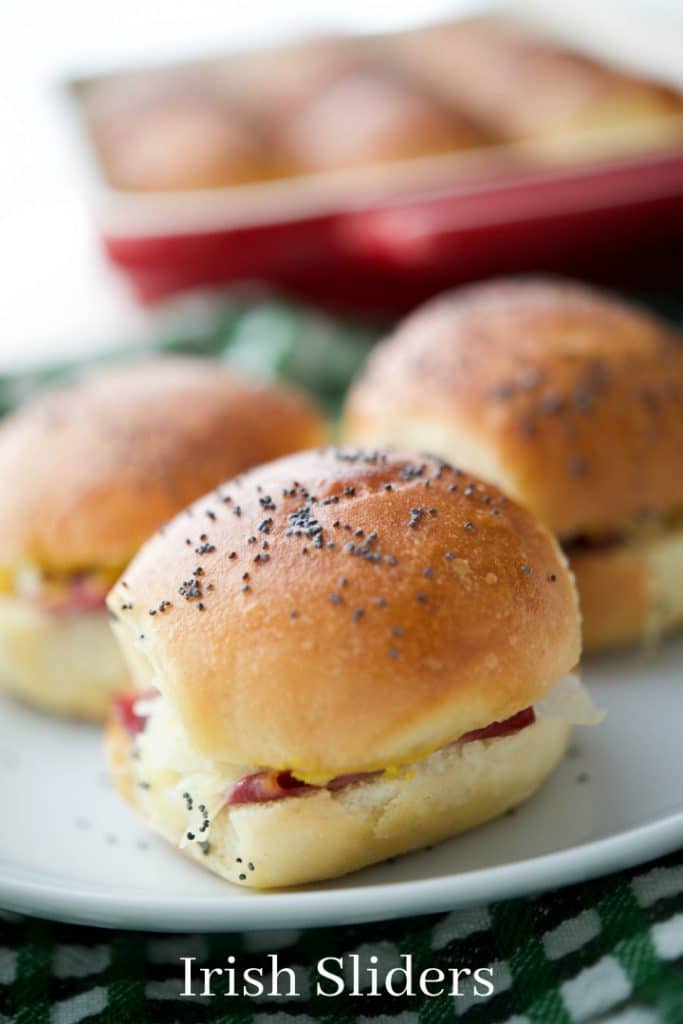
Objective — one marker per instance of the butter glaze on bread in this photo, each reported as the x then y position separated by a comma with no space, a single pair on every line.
524,87
351,611
568,398
571,400
368,117
91,468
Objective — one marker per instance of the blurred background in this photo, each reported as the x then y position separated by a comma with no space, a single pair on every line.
63,300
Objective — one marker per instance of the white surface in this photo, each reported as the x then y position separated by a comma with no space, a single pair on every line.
59,299
70,850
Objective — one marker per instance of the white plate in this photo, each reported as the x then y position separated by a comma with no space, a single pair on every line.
70,850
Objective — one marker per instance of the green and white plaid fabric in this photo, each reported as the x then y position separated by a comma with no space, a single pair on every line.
608,951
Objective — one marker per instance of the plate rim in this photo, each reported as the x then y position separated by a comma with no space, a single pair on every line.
306,908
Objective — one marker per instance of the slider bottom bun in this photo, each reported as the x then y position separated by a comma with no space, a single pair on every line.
325,834
631,592
67,664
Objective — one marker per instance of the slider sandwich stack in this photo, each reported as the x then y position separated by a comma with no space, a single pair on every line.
571,401
372,652
89,471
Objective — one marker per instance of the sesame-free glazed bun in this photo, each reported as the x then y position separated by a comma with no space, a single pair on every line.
371,117
523,87
337,612
91,468
174,135
570,399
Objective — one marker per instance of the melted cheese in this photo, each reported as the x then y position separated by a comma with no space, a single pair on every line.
166,759
30,581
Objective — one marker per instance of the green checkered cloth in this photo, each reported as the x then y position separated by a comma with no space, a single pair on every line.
270,337
267,337
608,951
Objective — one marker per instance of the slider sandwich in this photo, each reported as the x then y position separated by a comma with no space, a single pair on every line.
89,470
373,653
571,401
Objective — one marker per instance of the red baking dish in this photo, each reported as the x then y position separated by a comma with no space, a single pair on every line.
627,215
386,238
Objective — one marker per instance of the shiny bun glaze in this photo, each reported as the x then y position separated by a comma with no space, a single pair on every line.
522,86
370,116
175,134
342,611
91,468
568,398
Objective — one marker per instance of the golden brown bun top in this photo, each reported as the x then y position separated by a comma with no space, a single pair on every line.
343,611
369,116
174,134
520,85
276,83
568,398
91,468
